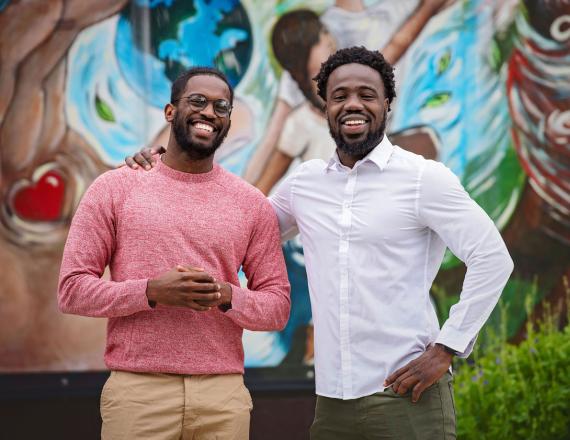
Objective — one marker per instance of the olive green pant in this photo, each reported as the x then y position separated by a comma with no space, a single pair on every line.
387,415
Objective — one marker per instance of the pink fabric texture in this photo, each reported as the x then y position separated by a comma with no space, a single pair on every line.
142,224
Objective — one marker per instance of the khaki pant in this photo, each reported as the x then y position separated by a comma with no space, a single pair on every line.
388,416
169,406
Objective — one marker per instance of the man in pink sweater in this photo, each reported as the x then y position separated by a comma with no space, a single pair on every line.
176,310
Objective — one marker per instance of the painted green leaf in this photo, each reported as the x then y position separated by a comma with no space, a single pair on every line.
444,62
103,110
437,99
502,46
495,56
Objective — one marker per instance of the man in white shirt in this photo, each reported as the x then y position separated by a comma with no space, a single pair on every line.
375,221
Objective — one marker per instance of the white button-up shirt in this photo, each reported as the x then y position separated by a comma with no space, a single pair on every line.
374,237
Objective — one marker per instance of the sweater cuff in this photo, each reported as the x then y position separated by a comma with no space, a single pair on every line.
138,301
239,300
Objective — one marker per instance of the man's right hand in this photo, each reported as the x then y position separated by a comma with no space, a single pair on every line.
144,158
184,287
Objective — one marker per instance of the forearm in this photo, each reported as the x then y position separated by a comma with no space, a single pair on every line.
262,310
83,293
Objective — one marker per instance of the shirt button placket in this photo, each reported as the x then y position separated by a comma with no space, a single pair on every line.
344,315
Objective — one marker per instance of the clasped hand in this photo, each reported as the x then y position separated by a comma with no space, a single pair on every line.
188,287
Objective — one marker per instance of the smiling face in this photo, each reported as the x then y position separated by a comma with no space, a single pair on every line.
356,108
197,132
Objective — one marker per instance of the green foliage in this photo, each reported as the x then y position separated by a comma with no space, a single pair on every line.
515,392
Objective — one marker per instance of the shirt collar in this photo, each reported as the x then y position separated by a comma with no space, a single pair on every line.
379,155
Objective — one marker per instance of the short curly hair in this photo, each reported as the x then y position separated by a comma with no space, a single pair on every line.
358,55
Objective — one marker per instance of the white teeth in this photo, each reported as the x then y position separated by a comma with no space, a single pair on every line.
206,127
355,122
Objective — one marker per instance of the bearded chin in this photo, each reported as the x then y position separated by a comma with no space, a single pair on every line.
192,149
357,149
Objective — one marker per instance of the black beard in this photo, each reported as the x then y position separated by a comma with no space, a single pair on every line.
359,149
193,150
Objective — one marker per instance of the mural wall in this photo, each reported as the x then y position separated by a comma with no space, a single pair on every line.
483,86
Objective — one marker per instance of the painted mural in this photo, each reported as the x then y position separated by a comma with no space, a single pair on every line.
483,86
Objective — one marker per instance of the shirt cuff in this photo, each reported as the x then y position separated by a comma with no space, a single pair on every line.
459,342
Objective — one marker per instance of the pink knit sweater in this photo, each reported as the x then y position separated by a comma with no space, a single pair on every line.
142,224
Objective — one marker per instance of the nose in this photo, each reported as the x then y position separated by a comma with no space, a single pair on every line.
208,111
353,103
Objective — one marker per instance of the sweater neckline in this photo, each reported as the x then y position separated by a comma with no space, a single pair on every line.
182,176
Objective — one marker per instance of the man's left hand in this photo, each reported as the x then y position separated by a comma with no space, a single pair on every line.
225,299
420,373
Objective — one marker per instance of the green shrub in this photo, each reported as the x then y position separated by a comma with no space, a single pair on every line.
514,392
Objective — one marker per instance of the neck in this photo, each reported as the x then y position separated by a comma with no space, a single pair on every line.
348,160
179,160
350,5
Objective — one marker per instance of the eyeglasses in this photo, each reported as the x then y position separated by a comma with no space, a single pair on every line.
199,102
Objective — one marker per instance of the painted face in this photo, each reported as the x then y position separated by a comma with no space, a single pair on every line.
200,131
318,55
356,108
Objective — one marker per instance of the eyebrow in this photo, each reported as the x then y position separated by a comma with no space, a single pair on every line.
362,87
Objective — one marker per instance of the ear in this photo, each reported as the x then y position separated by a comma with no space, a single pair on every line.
169,112
326,110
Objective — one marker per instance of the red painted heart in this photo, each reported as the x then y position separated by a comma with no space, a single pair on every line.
41,200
